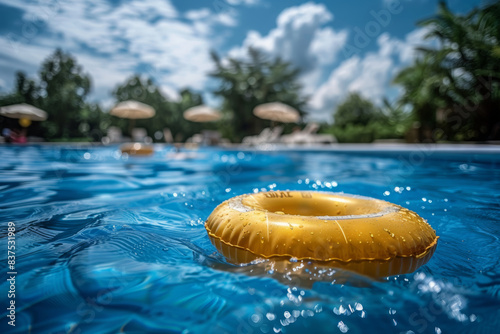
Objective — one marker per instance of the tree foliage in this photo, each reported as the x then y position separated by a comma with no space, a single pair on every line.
454,89
26,90
63,87
61,91
358,120
244,84
356,110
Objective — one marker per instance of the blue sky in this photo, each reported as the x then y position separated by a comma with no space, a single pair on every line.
340,46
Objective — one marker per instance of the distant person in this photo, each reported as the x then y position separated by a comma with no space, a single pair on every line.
6,133
18,136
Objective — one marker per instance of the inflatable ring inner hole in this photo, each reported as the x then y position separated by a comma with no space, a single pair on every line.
324,206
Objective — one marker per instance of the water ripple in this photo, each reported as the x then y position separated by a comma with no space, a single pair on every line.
109,243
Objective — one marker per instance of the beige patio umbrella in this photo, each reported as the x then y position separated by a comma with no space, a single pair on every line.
202,114
24,112
278,112
132,110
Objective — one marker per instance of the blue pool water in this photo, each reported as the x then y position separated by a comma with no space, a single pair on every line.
106,243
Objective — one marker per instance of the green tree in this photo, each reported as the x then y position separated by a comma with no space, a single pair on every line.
396,121
422,85
356,110
244,84
27,89
359,120
64,88
460,78
61,91
93,122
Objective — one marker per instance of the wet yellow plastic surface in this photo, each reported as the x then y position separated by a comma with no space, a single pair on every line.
322,227
137,149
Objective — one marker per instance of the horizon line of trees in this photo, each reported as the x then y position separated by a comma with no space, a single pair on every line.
451,92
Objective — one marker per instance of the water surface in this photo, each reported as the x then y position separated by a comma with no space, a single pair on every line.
109,243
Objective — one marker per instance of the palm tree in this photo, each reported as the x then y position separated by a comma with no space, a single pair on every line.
461,77
421,84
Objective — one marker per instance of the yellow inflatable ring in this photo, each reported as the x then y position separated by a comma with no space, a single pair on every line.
137,149
367,235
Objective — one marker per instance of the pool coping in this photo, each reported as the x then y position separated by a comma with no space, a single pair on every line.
377,148
473,148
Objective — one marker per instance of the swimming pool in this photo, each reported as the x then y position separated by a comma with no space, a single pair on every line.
109,243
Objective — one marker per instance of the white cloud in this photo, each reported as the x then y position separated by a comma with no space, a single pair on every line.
171,93
204,19
198,14
370,74
23,53
113,42
105,78
244,2
334,88
299,38
326,45
16,55
226,19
